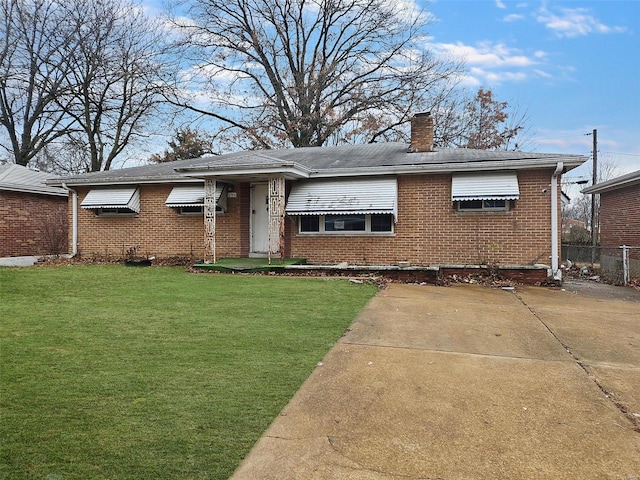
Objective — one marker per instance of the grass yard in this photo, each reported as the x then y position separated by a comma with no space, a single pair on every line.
109,372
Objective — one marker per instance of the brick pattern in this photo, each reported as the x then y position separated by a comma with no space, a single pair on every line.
620,217
30,223
429,230
156,230
422,132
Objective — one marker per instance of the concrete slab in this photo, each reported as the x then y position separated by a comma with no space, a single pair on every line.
18,261
601,331
421,387
460,318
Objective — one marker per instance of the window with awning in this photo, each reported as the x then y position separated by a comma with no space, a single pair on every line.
190,198
344,197
491,191
113,200
485,186
361,206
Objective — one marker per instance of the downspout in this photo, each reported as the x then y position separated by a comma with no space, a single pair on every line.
555,270
74,220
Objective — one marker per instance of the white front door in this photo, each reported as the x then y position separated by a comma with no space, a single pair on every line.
260,219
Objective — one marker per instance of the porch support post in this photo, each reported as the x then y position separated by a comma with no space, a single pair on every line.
276,217
210,219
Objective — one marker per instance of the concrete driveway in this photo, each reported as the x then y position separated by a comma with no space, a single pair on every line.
467,382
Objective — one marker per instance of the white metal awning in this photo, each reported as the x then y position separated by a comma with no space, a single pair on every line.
193,196
485,186
361,196
125,198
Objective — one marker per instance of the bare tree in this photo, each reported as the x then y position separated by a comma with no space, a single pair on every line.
78,80
308,72
114,75
481,122
33,37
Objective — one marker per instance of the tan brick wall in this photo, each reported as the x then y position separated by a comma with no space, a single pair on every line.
157,229
430,231
31,224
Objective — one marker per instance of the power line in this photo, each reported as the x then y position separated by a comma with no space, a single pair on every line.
627,154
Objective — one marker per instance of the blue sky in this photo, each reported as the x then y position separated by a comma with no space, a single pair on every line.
574,66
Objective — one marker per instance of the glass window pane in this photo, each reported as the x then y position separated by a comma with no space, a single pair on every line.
344,223
309,223
470,204
494,203
195,209
381,223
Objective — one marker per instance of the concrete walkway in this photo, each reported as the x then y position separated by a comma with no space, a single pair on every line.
466,382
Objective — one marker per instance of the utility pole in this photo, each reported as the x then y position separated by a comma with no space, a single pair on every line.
594,214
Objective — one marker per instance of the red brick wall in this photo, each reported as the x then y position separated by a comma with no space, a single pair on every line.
620,217
430,231
30,223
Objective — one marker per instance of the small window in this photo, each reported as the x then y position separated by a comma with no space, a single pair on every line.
346,224
484,205
382,223
114,212
191,210
309,224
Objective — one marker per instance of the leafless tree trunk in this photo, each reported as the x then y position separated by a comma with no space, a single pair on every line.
114,77
78,80
308,72
33,38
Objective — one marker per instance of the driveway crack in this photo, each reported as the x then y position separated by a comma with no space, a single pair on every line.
608,394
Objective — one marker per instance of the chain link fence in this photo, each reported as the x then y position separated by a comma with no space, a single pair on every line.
619,265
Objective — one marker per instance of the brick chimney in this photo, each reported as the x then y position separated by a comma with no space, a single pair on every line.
422,132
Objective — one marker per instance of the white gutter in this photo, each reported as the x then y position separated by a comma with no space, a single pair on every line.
74,219
450,167
555,270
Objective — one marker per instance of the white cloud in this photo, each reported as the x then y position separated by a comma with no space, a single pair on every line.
542,73
514,17
574,22
493,63
500,4
486,54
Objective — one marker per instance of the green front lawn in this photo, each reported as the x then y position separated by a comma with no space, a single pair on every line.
108,372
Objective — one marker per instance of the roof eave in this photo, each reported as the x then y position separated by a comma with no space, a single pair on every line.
551,162
51,191
291,171
614,184
119,181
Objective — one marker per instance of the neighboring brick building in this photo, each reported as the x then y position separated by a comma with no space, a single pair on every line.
33,216
377,204
619,221
619,210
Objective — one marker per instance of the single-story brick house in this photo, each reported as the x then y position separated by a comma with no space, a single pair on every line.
33,216
375,204
619,220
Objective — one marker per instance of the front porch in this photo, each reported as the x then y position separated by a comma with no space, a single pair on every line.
248,265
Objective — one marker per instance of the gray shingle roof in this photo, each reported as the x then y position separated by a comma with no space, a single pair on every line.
351,160
618,182
20,179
